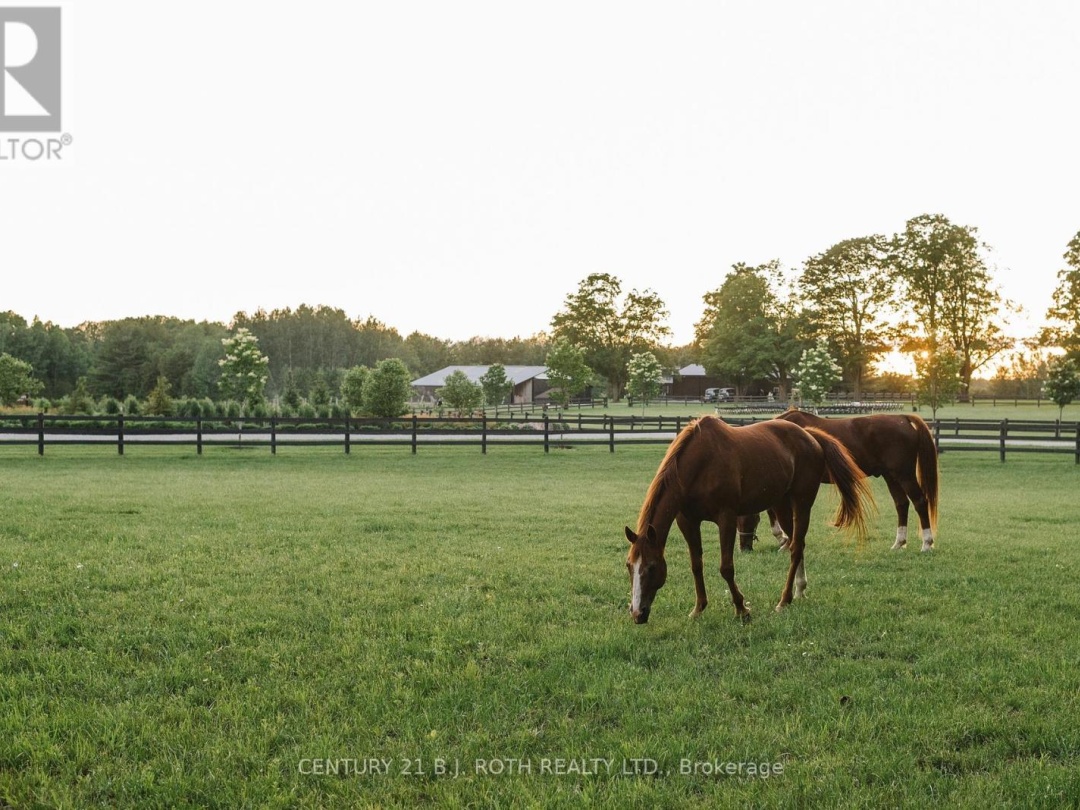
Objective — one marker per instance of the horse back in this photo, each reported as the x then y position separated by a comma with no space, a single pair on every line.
880,443
750,468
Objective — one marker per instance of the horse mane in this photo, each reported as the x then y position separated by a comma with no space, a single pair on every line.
667,474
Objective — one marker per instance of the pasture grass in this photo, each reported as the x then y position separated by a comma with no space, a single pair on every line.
183,631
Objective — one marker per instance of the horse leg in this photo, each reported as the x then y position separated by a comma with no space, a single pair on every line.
692,532
800,580
800,522
781,523
900,499
922,509
747,531
782,538
728,525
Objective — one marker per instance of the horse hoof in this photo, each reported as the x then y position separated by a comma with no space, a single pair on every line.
928,547
745,616
695,613
898,546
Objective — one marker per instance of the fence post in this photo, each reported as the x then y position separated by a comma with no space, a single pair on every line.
120,434
937,435
1001,440
611,433
1077,454
198,435
347,434
547,446
41,433
414,434
483,433
273,435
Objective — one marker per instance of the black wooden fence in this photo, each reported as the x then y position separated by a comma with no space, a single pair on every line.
549,429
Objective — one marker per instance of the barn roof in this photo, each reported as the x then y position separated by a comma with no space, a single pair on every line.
516,374
693,370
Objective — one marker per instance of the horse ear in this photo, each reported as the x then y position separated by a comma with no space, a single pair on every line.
650,535
630,536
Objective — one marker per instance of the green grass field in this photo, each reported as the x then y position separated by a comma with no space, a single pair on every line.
223,631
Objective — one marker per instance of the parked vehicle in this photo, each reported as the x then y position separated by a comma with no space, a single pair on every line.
719,394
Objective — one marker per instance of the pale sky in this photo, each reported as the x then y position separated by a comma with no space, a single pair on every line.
458,168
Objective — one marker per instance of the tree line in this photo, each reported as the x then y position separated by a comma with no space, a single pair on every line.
308,349
928,291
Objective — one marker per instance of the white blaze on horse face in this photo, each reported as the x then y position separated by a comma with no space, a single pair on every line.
635,588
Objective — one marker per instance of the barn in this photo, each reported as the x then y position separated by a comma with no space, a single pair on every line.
529,382
692,382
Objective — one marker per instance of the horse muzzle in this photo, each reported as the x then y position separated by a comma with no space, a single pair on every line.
641,616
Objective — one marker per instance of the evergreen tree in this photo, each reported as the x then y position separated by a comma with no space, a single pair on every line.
159,403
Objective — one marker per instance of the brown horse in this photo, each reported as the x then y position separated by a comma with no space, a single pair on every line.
898,447
713,471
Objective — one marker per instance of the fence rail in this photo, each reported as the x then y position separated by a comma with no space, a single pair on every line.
554,429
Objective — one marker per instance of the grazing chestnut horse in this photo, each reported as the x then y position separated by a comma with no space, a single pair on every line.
898,447
713,471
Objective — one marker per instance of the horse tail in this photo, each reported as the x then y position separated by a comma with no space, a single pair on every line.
850,481
927,472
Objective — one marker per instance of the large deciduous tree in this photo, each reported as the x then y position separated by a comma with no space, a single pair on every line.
1063,315
609,327
752,328
950,291
849,289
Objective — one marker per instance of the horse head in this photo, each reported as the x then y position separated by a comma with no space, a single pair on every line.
648,571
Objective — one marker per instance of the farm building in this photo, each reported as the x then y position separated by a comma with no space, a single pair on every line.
692,382
529,381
